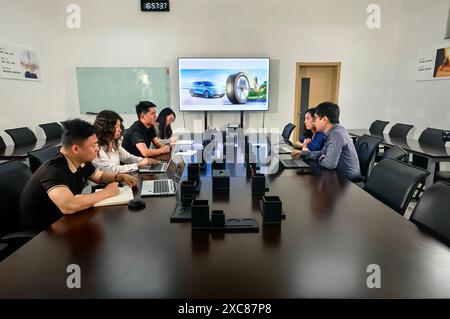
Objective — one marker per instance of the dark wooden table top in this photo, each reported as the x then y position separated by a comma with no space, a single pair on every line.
408,144
332,232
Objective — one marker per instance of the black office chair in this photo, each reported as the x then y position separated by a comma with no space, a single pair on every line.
52,130
377,127
39,157
287,131
13,177
63,123
432,211
366,147
2,144
22,136
430,136
400,130
393,183
395,152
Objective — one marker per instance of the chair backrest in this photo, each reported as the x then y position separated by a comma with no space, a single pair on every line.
39,157
400,130
2,144
393,182
366,147
287,131
13,177
22,135
377,127
52,130
432,136
432,211
395,152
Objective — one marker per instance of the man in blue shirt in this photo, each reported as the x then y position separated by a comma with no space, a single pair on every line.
339,152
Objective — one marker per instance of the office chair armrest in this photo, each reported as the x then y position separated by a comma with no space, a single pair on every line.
22,236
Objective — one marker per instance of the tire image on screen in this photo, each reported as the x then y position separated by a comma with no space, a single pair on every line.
237,88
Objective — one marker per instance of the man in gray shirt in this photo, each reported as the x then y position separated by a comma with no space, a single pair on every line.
339,152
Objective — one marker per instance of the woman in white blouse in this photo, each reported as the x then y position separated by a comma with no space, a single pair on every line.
111,153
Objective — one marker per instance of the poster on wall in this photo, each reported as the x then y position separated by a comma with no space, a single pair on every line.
434,63
19,63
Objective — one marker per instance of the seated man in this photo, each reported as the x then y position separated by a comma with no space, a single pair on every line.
142,134
317,140
55,188
339,152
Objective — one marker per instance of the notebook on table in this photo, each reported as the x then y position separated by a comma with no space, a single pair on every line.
124,196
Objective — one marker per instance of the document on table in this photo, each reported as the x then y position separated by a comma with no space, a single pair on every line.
124,196
183,142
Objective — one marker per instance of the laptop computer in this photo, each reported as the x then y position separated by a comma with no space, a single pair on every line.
161,167
163,187
283,149
292,163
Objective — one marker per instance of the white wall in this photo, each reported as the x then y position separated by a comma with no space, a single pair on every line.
424,104
286,31
25,103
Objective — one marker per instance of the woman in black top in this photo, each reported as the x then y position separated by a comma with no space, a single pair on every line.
163,123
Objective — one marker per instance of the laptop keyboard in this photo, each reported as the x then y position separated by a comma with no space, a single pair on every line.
161,187
157,167
290,162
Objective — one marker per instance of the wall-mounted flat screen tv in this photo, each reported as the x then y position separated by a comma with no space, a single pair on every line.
223,84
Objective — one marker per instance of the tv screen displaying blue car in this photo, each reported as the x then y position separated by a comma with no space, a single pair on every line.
223,84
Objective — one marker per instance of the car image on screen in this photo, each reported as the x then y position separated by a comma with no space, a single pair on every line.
206,89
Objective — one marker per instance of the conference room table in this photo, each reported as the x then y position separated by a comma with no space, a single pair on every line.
434,153
20,152
326,247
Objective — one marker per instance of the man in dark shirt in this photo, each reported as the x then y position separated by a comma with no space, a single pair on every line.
142,134
55,188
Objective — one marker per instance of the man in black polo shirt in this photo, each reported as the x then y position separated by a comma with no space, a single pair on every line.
55,188
141,134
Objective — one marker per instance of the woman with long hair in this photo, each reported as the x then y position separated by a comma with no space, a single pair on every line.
163,123
317,140
111,153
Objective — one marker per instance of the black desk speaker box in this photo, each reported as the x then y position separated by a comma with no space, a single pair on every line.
194,172
217,218
186,200
187,188
271,209
200,214
220,180
258,183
